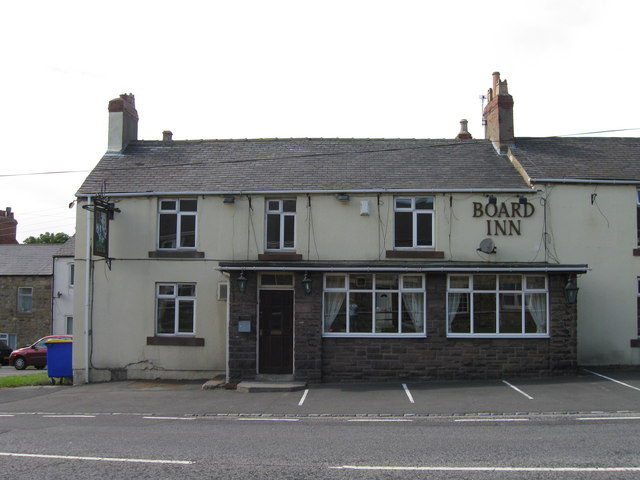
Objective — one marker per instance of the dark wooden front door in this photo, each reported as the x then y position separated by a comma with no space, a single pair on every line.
276,332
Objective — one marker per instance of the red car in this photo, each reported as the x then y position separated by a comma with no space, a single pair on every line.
35,354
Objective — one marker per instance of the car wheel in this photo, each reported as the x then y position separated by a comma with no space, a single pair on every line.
20,363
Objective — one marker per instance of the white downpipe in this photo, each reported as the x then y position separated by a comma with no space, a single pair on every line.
87,292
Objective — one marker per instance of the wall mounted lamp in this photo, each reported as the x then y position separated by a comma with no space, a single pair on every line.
229,199
571,291
307,283
492,200
343,197
242,282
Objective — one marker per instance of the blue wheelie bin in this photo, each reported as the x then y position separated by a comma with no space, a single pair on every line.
59,359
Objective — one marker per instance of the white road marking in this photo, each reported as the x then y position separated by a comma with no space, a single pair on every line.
7,415
97,459
586,419
612,379
491,420
268,419
380,420
304,397
406,390
68,416
169,418
490,469
517,389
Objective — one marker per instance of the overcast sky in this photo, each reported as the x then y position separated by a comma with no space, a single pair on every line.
264,69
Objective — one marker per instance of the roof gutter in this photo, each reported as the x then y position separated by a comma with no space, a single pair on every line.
438,269
584,180
333,191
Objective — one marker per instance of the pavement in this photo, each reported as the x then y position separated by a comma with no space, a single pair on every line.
590,391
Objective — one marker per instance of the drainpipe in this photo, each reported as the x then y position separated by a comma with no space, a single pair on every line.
87,292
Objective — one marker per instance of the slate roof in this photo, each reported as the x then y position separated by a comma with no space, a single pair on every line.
300,165
31,259
68,248
595,158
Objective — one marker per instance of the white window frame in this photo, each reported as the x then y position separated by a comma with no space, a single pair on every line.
9,339
414,224
72,274
637,216
177,299
22,293
179,215
519,303
68,319
282,215
373,291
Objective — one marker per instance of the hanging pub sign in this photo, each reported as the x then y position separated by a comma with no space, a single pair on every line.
102,213
101,233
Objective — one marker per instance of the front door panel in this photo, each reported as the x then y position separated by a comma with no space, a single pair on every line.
276,332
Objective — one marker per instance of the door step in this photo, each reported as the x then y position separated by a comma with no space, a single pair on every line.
271,383
273,378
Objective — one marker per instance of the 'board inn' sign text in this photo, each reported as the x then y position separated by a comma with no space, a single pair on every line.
503,218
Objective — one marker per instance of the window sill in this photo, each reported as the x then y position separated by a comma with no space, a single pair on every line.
414,254
176,254
479,336
279,256
176,341
374,335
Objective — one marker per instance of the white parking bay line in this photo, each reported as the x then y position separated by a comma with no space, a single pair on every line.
304,397
406,390
612,379
517,389
97,459
587,419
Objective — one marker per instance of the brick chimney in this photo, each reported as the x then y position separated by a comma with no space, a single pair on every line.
498,115
7,227
464,132
123,122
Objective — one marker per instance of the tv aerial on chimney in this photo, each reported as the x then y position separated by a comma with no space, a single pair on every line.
482,100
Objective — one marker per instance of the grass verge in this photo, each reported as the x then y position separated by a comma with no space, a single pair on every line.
24,380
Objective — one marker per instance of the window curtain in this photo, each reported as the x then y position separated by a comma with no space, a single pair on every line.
415,306
538,309
454,303
332,305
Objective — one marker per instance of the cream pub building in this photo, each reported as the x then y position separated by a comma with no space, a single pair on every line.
328,260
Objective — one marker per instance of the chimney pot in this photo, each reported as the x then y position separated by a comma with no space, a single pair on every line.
464,132
167,136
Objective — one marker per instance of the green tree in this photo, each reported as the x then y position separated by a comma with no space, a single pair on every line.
48,237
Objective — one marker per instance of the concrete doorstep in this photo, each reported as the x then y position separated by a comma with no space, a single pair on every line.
262,383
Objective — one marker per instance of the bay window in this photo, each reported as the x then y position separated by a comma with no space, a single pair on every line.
497,304
366,304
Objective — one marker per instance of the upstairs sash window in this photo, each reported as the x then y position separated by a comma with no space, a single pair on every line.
177,223
281,224
414,222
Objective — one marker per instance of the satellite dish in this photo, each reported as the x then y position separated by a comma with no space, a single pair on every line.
487,246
